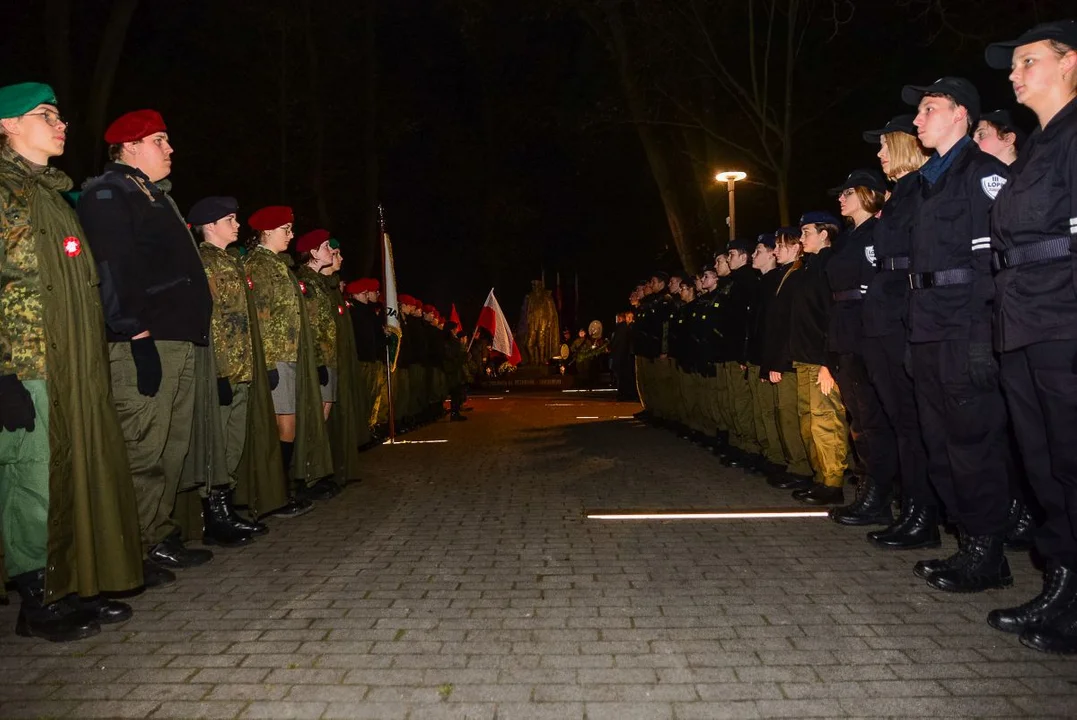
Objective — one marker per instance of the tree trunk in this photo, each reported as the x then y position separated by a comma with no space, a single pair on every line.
100,90
677,211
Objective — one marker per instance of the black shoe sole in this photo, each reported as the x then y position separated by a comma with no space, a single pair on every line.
22,629
1003,584
918,546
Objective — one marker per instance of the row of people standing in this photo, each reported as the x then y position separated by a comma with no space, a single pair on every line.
930,338
158,385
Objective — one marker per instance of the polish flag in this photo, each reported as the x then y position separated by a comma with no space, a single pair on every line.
493,321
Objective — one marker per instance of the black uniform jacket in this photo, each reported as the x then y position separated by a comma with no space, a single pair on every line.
951,232
1037,301
810,319
850,270
887,299
152,277
369,335
707,331
761,313
776,328
743,294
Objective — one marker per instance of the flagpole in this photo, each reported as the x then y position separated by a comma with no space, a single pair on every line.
385,330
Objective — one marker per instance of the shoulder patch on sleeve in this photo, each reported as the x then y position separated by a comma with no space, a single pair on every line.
103,194
992,184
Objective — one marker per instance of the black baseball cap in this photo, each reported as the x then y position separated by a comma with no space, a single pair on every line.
901,123
1004,121
864,177
999,55
767,239
745,246
961,90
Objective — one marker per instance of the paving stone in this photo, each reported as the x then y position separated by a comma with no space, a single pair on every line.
456,584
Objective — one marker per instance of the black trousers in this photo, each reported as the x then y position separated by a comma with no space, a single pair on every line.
964,431
873,435
885,361
1040,386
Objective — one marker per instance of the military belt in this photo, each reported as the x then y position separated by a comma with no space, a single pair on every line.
1053,249
957,276
895,262
847,295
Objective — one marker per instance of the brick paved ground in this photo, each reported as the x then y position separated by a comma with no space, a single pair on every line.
461,581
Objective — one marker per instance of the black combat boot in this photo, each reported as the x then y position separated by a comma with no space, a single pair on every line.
251,527
1021,527
1057,636
217,525
821,495
916,527
105,611
55,622
985,567
173,553
153,575
791,481
1059,595
926,568
871,507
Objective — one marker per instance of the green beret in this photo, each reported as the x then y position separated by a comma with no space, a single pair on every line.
16,100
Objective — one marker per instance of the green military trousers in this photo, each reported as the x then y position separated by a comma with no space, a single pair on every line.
822,422
24,488
800,458
234,427
764,410
739,402
156,430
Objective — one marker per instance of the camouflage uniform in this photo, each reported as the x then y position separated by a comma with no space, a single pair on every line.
66,496
322,311
230,326
277,294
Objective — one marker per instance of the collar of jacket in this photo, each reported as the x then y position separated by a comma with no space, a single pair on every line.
937,165
164,185
47,176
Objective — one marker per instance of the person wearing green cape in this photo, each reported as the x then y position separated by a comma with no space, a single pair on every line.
67,503
290,356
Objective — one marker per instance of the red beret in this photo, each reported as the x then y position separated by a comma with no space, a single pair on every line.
134,126
408,300
271,218
362,285
311,240
430,309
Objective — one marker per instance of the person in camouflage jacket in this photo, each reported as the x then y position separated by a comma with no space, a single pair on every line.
67,503
318,253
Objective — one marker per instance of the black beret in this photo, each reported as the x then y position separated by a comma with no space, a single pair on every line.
211,209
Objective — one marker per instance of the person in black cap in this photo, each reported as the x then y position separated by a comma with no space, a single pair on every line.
954,368
743,294
651,328
998,135
764,397
706,322
850,272
801,458
885,335
1034,231
819,400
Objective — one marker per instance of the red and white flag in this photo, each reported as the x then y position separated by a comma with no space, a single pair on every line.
493,321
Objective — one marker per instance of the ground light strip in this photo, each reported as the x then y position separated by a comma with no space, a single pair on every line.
704,515
595,390
413,442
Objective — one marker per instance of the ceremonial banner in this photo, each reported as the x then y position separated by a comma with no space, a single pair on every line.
493,321
392,309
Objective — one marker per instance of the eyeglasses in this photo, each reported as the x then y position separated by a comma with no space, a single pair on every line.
53,119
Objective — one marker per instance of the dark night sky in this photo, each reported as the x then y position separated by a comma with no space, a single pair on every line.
512,106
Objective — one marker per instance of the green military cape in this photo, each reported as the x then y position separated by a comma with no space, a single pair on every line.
349,419
261,485
313,457
94,543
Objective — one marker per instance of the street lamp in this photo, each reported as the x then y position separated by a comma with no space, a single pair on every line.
730,178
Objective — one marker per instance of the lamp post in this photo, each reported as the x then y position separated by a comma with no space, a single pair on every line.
730,178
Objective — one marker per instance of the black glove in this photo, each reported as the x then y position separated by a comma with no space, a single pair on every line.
907,359
16,405
274,379
323,375
224,391
983,369
147,365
